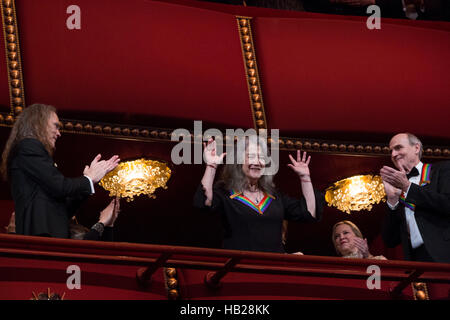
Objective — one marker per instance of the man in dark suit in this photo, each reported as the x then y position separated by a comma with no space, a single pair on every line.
418,199
44,198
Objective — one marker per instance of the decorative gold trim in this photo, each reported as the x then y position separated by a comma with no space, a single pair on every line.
171,283
6,119
420,291
251,72
138,133
115,130
13,58
331,146
341,147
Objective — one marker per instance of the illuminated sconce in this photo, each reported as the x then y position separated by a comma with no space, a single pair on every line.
356,193
133,178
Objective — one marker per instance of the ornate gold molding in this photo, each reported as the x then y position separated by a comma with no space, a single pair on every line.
170,275
6,119
420,291
139,133
353,148
311,145
13,58
251,72
115,130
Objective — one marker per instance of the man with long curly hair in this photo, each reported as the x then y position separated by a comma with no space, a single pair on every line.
44,198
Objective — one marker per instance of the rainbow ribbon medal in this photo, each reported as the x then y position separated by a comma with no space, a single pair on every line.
426,173
260,207
424,180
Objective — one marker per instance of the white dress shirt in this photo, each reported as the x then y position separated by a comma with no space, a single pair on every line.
414,233
92,185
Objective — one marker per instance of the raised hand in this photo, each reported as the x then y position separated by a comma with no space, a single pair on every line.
212,162
300,165
210,153
98,168
112,163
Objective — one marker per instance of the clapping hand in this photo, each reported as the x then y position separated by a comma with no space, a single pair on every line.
99,168
300,165
396,178
362,246
109,215
392,193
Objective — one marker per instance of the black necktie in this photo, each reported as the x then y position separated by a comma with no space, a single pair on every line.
414,172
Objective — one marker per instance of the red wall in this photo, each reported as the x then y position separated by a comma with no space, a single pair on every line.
335,75
322,75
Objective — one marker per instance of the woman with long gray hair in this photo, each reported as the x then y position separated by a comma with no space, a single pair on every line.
252,208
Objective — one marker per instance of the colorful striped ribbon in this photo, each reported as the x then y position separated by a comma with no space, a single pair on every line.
260,207
424,180
426,173
402,200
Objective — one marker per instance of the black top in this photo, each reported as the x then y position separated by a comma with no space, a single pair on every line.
93,234
245,228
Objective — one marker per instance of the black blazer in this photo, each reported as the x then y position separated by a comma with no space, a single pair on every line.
44,199
432,214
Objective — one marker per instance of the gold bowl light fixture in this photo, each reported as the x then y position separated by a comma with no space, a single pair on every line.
356,193
133,178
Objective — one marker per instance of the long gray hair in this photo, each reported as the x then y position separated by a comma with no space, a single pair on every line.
31,123
233,177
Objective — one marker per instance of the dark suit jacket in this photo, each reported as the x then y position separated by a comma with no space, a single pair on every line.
432,214
44,199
